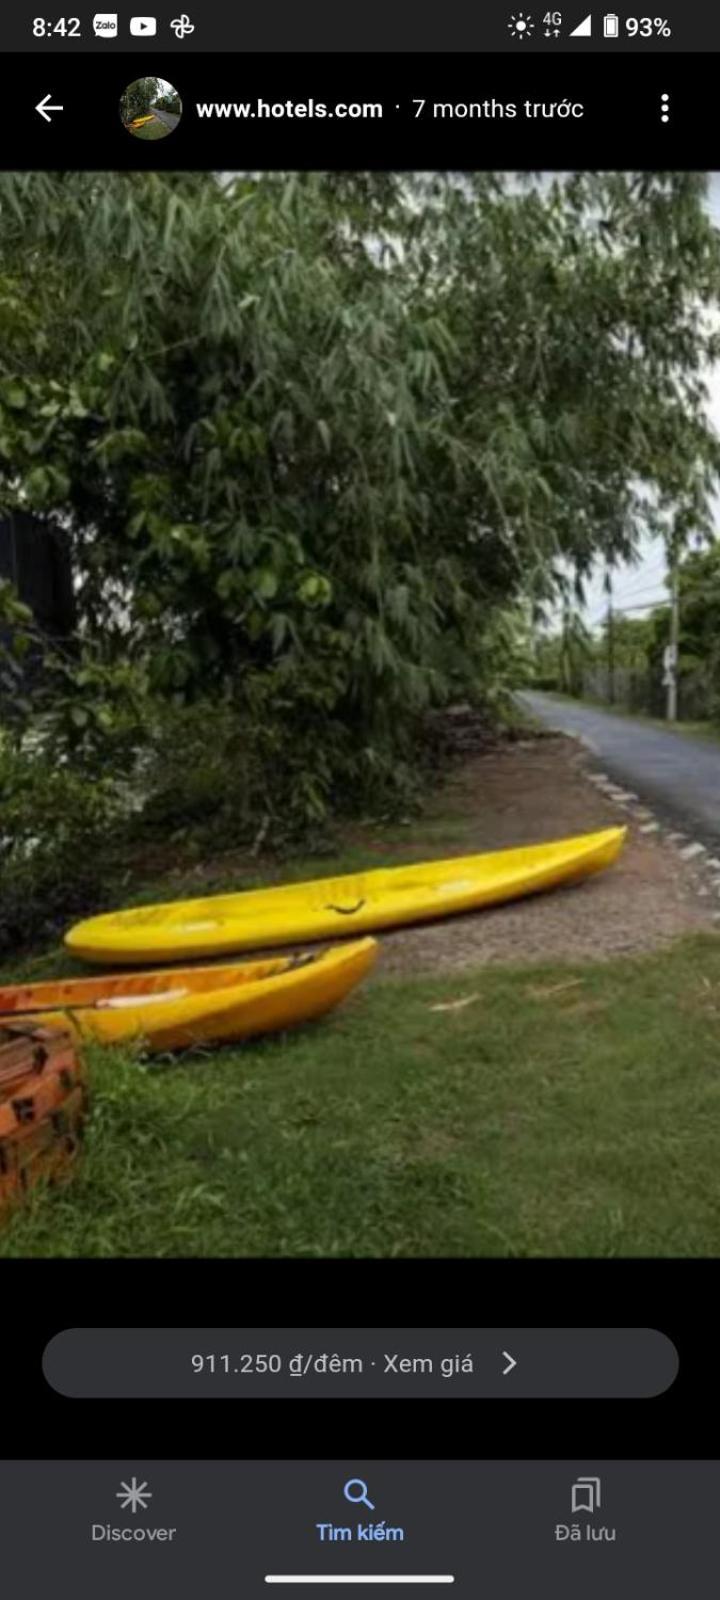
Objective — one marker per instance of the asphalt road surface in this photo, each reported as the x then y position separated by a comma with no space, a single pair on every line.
167,118
673,773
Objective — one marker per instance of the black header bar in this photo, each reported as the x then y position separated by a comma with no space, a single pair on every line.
364,114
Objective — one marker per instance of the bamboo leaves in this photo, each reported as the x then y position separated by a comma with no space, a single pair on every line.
327,433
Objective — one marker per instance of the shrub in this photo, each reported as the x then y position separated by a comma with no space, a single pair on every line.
548,681
274,771
58,837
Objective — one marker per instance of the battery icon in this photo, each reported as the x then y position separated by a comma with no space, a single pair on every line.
611,26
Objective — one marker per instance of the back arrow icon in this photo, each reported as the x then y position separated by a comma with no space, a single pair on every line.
44,107
511,1362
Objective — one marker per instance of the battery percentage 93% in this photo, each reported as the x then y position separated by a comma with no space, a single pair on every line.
647,27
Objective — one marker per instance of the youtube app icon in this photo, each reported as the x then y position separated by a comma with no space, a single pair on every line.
143,26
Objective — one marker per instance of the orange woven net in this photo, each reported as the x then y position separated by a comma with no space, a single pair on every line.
43,1105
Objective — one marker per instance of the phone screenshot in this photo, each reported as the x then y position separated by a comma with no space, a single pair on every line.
359,799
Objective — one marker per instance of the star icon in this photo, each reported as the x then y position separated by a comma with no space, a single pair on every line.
133,1494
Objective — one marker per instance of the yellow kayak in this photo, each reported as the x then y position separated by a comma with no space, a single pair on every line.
335,907
196,1005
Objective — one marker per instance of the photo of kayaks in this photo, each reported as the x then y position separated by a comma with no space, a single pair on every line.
197,1005
328,908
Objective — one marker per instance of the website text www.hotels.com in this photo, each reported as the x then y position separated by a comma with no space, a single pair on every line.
286,108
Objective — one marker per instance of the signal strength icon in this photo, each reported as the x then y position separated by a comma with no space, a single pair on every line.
583,29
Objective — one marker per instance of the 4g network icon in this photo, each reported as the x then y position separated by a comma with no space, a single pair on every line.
522,25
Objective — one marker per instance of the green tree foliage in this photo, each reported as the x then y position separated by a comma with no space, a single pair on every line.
699,591
632,641
169,101
312,437
561,657
699,635
139,97
56,837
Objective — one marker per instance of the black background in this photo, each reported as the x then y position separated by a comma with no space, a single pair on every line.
621,126
38,1298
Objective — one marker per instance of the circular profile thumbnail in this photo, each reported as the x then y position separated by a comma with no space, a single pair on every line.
150,108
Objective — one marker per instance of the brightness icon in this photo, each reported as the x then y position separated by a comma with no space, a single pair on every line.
521,25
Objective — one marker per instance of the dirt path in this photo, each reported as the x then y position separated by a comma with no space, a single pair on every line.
537,789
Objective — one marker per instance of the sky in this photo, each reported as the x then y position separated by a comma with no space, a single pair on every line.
642,586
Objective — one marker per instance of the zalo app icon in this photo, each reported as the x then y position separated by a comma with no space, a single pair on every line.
105,24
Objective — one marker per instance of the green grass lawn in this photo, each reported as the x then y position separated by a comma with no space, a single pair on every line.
693,730
566,1111
151,130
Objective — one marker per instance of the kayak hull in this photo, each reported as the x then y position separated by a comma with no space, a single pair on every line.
332,908
198,1006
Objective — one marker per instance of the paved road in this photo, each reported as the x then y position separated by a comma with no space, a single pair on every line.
167,118
671,772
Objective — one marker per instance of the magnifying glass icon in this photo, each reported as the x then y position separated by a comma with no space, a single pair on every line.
356,1491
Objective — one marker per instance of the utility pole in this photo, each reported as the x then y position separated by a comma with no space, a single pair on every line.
672,665
610,630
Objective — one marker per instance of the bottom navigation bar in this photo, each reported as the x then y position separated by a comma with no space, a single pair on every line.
495,1528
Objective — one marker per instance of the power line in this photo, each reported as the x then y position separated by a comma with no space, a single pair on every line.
644,605
647,605
649,576
647,583
636,593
